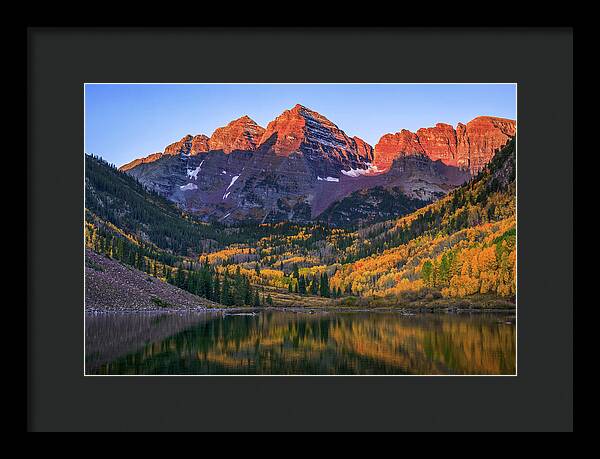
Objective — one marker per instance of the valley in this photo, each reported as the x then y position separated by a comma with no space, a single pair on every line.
458,251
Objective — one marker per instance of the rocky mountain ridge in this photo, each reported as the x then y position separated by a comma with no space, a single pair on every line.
470,146
302,163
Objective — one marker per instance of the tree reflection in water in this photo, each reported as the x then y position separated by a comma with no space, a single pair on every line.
282,343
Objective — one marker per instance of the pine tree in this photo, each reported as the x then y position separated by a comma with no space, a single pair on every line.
216,291
324,289
248,298
256,300
302,285
427,273
444,271
179,278
314,285
226,297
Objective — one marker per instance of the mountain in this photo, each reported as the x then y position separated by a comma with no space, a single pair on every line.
469,146
411,182
240,134
302,163
188,146
460,246
371,205
318,139
137,228
118,205
489,197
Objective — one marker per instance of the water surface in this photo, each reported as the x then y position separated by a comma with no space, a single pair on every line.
289,343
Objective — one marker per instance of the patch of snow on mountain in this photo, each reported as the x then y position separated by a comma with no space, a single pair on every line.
358,172
235,177
194,173
189,186
329,179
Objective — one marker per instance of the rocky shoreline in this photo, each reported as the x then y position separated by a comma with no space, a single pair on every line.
301,310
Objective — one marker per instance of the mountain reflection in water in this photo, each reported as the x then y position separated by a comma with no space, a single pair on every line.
287,343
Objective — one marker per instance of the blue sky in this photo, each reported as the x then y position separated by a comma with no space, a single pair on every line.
128,121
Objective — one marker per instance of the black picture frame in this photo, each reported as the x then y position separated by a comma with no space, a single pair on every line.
61,60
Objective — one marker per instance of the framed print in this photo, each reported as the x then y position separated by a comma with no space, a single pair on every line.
297,239
288,247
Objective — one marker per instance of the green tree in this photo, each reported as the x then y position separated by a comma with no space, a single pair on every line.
216,290
256,301
314,285
248,297
302,285
427,273
179,278
324,289
226,297
444,270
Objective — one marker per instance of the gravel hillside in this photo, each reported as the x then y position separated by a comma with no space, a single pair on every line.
109,285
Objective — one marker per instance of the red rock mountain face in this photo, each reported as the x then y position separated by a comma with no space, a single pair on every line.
136,162
240,134
188,146
364,149
439,142
302,163
391,146
479,140
469,146
181,147
199,144
303,130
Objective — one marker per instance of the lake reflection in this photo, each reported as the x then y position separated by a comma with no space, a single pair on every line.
287,343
